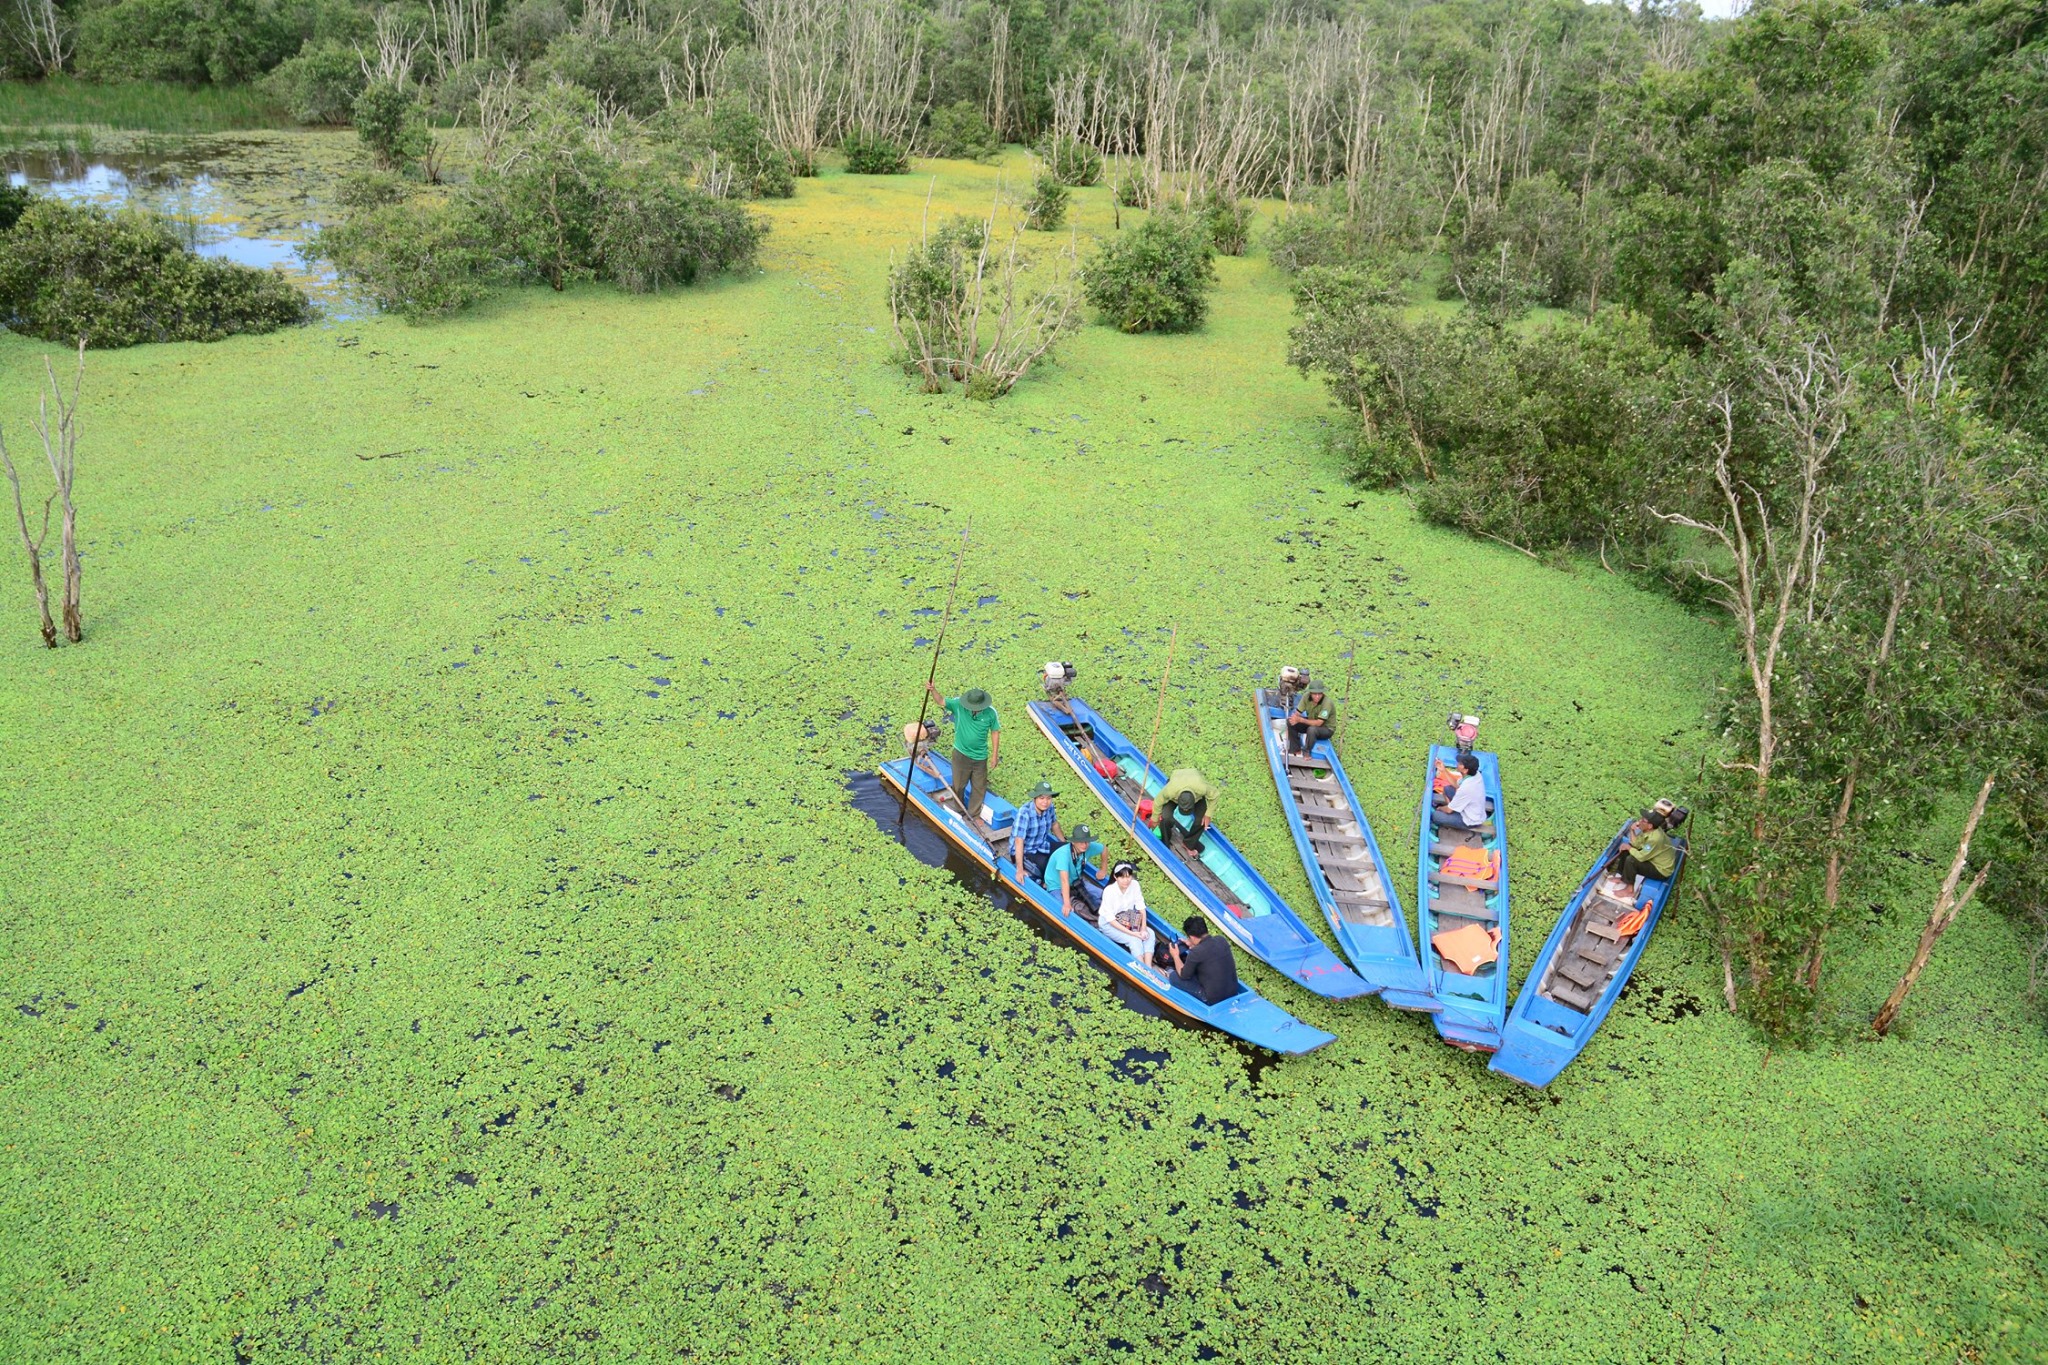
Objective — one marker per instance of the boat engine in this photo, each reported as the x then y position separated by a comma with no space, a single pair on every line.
1056,677
1293,682
1465,729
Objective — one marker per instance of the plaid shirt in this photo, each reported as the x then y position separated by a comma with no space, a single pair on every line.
1034,827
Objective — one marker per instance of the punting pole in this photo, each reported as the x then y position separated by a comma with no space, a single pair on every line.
924,702
1157,717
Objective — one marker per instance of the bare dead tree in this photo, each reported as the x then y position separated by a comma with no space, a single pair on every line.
693,77
460,32
60,446
999,70
1230,134
32,544
394,46
799,43
1946,907
1773,563
883,68
42,35
499,111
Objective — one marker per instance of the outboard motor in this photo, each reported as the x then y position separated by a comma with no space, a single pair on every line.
1056,677
1293,682
1464,729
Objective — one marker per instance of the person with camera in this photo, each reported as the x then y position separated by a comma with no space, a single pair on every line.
1204,964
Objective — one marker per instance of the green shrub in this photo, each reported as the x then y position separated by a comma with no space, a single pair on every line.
961,131
1046,207
657,228
1229,220
392,125
1155,277
319,85
14,201
1304,240
527,29
416,258
541,203
867,155
119,279
626,71
1133,190
729,141
1071,161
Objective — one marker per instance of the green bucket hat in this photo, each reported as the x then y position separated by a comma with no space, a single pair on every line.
974,699
1042,789
1081,835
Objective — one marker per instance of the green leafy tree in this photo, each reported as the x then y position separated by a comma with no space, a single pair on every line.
1045,208
1157,277
868,155
1072,162
416,257
392,124
320,84
961,131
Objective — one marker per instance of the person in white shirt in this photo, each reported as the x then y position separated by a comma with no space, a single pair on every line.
1466,807
1123,916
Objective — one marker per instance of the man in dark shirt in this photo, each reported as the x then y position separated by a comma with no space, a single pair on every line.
1204,965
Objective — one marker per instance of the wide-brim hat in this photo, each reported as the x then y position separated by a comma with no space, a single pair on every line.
1042,789
974,699
1081,835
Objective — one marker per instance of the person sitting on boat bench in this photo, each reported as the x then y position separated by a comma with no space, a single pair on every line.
1316,720
1035,832
1464,808
977,740
1122,914
1063,871
1203,964
1648,850
1181,810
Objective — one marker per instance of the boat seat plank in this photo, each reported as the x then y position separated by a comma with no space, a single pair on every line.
1473,909
1470,883
1567,993
1585,973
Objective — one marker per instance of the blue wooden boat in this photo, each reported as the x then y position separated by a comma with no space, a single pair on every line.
1343,861
1224,887
1247,1015
1585,962
1475,1007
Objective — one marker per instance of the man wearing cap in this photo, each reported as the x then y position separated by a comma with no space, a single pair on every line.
977,739
1035,832
1182,810
1316,720
1063,870
1648,850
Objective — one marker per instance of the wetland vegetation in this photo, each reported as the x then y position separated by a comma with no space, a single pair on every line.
446,908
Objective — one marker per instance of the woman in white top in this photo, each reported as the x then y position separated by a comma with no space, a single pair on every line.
1123,917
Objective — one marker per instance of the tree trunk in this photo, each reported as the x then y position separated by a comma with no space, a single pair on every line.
1946,907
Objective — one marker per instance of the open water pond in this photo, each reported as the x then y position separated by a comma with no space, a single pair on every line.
252,198
929,847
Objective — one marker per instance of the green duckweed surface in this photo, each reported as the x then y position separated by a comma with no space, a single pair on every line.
437,926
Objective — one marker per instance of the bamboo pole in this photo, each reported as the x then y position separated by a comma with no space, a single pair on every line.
924,702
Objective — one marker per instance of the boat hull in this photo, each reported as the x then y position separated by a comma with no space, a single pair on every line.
1267,928
1555,1016
1475,1007
1345,868
1247,1015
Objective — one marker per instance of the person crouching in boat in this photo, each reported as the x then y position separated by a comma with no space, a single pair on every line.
1063,871
1182,809
1648,851
918,738
1315,721
977,743
1035,832
1204,964
1122,914
1465,807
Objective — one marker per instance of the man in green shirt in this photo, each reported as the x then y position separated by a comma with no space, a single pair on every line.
1316,720
977,740
1648,851
1182,809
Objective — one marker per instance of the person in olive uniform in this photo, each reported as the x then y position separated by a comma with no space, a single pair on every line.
1648,851
1316,720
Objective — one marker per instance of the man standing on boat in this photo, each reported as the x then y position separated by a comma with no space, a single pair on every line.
1036,831
1316,720
977,740
1182,809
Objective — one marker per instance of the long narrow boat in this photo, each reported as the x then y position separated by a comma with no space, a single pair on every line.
1462,883
1224,886
1585,962
1247,1015
1343,862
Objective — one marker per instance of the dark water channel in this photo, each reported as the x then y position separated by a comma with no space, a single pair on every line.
928,846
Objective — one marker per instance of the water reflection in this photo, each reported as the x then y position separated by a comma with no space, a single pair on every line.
249,200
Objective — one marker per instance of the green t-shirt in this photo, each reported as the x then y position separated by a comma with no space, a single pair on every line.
971,729
1319,712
